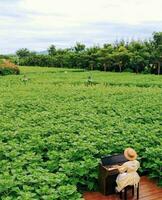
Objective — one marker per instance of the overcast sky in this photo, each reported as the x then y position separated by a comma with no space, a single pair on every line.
35,24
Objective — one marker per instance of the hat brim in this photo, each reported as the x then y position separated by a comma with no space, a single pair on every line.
129,157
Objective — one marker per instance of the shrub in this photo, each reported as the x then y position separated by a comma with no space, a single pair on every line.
7,67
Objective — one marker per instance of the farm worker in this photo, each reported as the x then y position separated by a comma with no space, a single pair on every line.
128,174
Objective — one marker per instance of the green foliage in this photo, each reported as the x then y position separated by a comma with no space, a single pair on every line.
22,53
118,57
157,50
79,47
52,50
54,129
8,68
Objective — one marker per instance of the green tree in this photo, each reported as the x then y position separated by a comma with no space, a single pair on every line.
79,47
22,53
157,50
105,56
121,57
139,55
52,50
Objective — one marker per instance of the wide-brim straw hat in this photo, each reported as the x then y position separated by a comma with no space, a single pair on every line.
130,154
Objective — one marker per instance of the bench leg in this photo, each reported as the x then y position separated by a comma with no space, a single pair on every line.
104,187
120,195
132,190
138,191
125,194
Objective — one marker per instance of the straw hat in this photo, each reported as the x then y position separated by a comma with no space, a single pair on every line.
130,154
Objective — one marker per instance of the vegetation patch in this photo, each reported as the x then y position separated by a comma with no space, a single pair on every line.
7,67
53,135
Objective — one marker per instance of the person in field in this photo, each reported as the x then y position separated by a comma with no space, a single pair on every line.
128,171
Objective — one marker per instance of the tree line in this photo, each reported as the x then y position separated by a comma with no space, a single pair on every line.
135,56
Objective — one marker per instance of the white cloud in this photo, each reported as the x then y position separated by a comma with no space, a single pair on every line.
125,11
35,24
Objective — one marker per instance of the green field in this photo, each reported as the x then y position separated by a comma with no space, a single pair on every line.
54,127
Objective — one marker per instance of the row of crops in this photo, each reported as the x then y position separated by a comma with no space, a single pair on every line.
54,129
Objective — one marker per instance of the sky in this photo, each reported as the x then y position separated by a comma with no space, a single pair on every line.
36,24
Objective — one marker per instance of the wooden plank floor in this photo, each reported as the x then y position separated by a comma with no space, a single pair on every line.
148,191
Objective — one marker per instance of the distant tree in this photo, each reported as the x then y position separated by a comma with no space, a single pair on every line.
106,61
140,55
79,47
119,43
92,50
105,56
107,46
52,50
121,57
157,50
22,53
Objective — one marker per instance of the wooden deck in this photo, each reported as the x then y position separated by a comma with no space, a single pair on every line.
148,191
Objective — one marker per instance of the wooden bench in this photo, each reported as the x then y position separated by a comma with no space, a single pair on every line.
124,192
